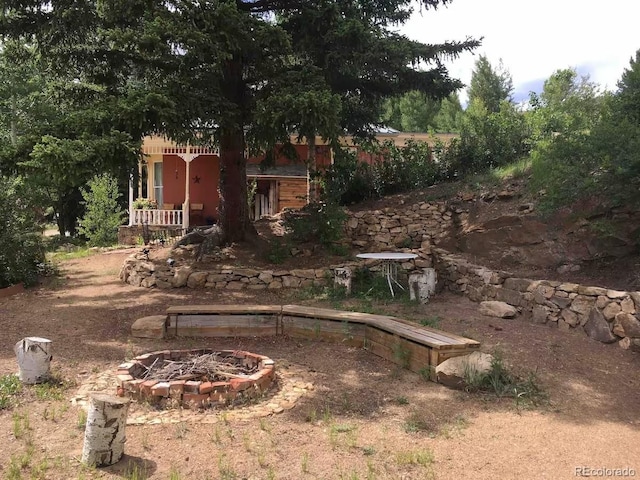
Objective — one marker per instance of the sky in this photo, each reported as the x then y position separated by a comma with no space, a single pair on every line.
534,38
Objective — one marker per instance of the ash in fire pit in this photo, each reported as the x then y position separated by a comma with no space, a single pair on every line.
196,378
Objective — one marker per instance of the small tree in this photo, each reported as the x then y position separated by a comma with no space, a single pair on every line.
103,215
21,248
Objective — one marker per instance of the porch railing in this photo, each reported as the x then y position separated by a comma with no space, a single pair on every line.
157,217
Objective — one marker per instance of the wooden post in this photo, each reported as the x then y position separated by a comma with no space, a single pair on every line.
104,434
34,359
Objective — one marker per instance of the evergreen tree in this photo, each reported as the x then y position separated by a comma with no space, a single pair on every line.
491,86
204,71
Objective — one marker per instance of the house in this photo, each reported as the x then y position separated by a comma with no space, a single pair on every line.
178,183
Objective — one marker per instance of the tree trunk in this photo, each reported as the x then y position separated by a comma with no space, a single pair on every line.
312,167
234,209
34,359
104,435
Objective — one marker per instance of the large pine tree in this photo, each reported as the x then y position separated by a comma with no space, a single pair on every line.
238,72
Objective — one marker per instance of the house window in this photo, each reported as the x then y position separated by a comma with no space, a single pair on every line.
157,183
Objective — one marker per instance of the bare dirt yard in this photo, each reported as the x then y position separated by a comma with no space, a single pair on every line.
357,417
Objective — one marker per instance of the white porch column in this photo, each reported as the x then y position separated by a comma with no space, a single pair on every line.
188,158
130,200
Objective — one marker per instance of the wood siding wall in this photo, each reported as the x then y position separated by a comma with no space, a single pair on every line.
292,193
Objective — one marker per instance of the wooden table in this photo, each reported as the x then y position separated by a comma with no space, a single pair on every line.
389,265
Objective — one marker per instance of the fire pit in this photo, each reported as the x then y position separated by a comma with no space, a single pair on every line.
196,378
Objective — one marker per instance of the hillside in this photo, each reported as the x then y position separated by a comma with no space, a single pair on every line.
501,226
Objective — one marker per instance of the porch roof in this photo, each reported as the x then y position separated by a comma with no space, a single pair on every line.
277,171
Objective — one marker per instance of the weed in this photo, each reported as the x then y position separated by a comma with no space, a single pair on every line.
10,386
371,470
216,436
402,400
14,472
82,419
136,472
368,451
246,442
174,474
264,425
50,390
21,425
181,430
312,416
499,381
225,470
262,459
401,355
305,463
432,322
419,421
415,457
459,423
271,474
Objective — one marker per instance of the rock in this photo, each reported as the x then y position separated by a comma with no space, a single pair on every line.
626,325
591,291
632,344
569,317
517,284
597,327
493,308
611,310
627,305
453,371
197,279
153,326
511,297
540,314
181,276
582,304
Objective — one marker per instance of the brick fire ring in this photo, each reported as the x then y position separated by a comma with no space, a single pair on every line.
196,393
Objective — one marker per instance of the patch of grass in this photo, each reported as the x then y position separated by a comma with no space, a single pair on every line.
432,322
82,419
174,474
10,387
402,400
422,457
225,470
420,421
305,463
459,423
52,389
136,472
368,450
526,392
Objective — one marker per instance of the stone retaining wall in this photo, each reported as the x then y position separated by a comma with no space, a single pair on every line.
603,314
417,226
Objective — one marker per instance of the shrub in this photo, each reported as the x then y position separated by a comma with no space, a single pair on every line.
21,245
321,222
103,215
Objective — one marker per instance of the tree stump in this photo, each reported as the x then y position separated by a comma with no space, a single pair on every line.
34,359
104,436
342,277
422,285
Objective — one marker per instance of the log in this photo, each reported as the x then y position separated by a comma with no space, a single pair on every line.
104,434
34,359
422,285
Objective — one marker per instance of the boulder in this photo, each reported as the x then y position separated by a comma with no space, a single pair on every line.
181,276
598,328
453,372
493,308
153,326
627,325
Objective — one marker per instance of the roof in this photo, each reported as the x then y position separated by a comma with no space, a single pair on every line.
254,170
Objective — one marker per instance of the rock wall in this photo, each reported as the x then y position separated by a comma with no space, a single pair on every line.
605,315
426,228
417,226
140,272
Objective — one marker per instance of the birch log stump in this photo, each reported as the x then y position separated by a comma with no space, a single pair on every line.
422,285
34,359
104,434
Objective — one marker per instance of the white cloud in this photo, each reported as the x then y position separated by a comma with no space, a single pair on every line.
534,39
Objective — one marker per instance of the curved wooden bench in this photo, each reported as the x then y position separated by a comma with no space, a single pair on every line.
417,348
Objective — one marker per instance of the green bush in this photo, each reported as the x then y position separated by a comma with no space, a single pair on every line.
103,215
21,246
321,222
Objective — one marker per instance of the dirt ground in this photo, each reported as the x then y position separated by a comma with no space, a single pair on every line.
364,418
